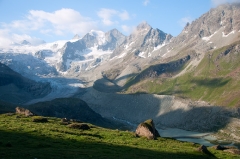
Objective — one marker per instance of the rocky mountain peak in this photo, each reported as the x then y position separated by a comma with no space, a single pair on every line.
210,31
114,32
143,26
76,37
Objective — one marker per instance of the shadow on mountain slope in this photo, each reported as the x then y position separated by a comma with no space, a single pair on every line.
27,145
105,85
165,110
213,83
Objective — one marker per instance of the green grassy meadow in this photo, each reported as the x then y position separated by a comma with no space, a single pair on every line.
22,138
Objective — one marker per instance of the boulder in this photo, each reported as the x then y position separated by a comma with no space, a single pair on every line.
219,147
147,129
65,120
23,111
204,149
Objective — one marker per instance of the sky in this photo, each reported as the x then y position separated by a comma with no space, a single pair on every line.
52,20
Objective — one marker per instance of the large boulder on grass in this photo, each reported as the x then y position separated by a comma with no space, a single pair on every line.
147,129
23,111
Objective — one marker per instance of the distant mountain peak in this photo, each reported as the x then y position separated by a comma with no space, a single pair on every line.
76,37
143,26
114,31
25,42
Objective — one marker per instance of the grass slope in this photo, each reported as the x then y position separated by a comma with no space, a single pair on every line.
216,79
22,138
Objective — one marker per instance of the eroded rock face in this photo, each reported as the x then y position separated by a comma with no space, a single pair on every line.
147,129
23,111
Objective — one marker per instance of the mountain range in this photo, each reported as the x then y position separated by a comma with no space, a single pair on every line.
190,81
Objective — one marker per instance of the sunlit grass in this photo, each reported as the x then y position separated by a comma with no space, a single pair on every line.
20,137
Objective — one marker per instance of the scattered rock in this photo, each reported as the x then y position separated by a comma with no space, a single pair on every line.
81,126
23,111
147,129
233,151
64,120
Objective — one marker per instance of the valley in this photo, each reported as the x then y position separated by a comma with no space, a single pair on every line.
186,84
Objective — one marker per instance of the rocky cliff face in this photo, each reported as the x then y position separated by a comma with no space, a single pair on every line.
142,41
91,48
218,27
134,54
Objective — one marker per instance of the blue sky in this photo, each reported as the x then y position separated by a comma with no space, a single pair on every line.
52,20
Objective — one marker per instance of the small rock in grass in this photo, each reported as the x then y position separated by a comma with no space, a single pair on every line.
81,126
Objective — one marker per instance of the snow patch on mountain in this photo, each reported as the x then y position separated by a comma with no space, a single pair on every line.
223,34
149,54
209,37
141,54
159,46
96,53
128,45
122,55
100,35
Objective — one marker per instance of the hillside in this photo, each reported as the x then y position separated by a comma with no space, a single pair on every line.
71,108
215,79
17,89
23,138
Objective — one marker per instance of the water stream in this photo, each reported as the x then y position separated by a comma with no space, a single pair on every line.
206,139
189,136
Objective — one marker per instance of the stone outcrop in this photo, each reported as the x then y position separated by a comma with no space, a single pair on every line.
204,149
147,129
23,111
219,147
229,149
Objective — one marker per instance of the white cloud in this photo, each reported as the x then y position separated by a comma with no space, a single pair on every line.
107,16
218,2
7,38
59,22
4,40
182,22
62,21
146,2
124,15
